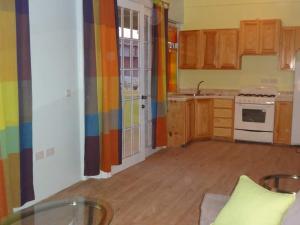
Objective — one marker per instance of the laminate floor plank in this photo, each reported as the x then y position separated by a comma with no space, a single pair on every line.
168,187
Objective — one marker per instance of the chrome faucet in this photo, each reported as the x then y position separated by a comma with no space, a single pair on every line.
198,91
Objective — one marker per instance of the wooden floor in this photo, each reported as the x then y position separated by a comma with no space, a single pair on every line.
167,188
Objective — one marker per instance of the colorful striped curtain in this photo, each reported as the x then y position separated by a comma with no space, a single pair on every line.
172,59
159,74
103,110
16,183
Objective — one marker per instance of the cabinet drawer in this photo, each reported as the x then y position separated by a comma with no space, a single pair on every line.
223,113
223,122
223,103
222,132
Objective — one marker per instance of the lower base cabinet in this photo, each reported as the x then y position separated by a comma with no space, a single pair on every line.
180,121
203,118
223,111
283,122
199,119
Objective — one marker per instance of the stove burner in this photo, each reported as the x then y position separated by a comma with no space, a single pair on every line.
257,95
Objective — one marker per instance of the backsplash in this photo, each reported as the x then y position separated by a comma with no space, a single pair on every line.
256,71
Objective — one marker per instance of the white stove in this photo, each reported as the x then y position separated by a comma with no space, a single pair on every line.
254,114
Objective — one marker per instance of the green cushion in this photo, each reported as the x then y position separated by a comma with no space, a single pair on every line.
251,204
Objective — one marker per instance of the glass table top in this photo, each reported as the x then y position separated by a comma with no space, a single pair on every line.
74,211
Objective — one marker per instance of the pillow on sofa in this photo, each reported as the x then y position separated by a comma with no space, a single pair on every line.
292,216
251,204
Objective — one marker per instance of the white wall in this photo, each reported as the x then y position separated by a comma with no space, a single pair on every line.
54,46
176,10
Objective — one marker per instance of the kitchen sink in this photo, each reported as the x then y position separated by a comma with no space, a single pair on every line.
201,94
194,95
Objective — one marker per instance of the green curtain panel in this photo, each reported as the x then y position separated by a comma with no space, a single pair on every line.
16,183
159,74
103,110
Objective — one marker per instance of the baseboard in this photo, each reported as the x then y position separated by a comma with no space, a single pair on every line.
152,151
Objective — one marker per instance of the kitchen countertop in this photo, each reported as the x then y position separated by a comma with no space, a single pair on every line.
217,93
182,97
285,96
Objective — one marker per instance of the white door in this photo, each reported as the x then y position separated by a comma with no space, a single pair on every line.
135,64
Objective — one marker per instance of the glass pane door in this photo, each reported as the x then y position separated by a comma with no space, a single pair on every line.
134,45
130,79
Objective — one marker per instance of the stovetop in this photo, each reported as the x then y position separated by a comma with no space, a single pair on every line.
258,95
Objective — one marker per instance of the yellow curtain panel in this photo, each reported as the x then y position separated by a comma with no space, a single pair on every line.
16,183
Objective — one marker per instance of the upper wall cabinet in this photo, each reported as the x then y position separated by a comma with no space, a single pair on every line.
228,49
189,44
290,43
215,49
220,49
259,37
287,49
209,49
297,39
249,37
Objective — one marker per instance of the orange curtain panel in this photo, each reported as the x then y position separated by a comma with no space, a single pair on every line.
16,182
159,74
103,111
172,59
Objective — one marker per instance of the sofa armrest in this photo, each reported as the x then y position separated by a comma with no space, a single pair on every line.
211,206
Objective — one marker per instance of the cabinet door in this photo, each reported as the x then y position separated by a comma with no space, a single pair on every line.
249,37
190,120
189,44
203,118
269,36
287,49
209,49
297,39
176,123
228,49
283,122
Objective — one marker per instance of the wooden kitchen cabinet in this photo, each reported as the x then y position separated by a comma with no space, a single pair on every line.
203,118
269,36
220,49
297,39
259,37
180,122
223,114
228,57
283,122
209,48
190,120
287,48
249,37
189,48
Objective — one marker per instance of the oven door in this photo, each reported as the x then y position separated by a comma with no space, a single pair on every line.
254,117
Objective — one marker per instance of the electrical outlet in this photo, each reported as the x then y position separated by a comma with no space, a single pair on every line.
39,155
68,93
50,152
